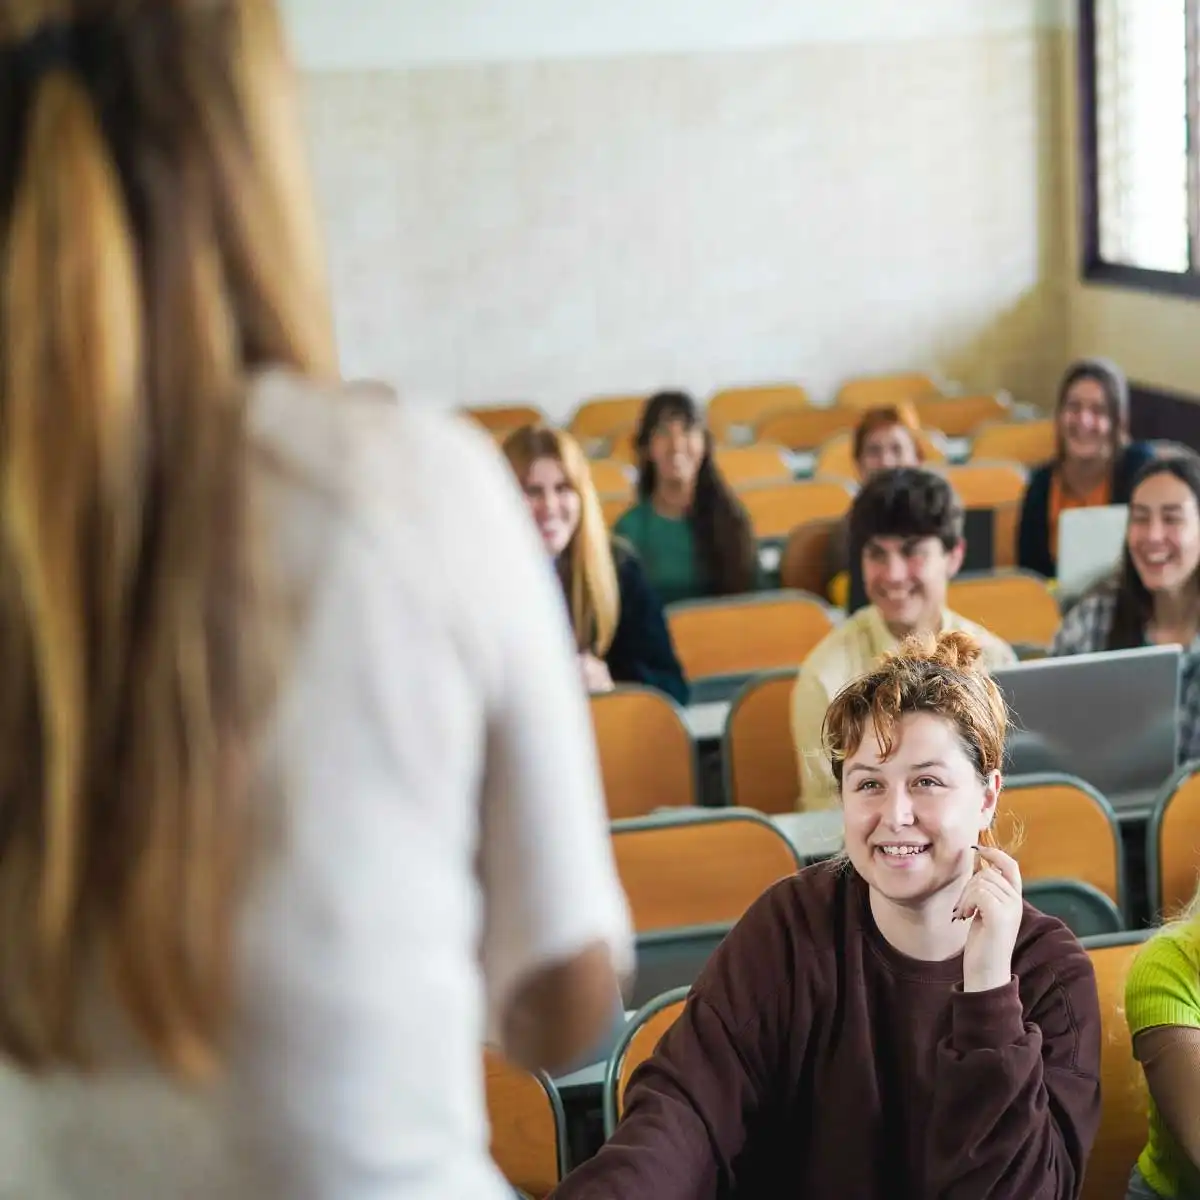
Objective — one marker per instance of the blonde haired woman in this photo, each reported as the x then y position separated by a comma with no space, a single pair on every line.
269,786
620,631
1162,1007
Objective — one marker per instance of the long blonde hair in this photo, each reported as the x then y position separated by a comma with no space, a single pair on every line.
156,251
590,573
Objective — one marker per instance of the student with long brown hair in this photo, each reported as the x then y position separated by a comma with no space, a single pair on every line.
690,530
900,1023
620,630
271,786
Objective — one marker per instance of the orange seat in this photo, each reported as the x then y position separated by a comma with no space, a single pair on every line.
1029,443
758,751
1065,830
986,484
756,464
805,555
1124,1113
836,456
1173,843
627,721
506,417
699,867
878,391
749,405
742,634
806,428
614,507
622,446
527,1124
1006,520
960,416
642,1035
775,509
604,416
611,479
1015,605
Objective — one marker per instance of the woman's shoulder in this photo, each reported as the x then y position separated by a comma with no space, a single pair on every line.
1163,985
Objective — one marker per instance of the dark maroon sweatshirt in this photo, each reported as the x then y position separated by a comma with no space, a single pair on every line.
813,1061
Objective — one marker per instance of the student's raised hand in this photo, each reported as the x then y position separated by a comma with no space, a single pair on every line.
596,677
991,901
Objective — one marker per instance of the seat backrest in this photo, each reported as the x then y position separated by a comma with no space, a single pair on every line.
1029,443
614,507
775,509
758,751
700,867
528,1126
642,1035
506,417
735,635
806,428
604,416
1064,829
986,484
1173,844
1084,910
960,416
1005,521
802,565
611,478
1123,1117
622,446
628,721
748,405
762,462
1017,606
875,391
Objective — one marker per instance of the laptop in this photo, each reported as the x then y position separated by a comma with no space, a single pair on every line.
1109,718
979,532
1090,542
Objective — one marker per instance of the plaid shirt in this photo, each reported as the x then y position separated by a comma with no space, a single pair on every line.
1085,630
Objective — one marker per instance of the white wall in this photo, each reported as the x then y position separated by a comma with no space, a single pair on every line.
381,34
878,194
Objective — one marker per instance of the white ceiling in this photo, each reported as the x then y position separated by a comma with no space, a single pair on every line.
378,34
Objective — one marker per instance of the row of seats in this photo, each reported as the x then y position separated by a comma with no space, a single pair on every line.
762,409
529,1128
1070,830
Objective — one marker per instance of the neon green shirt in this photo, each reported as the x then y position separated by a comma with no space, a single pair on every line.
1163,988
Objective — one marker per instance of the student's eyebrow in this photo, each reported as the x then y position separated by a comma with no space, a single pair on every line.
933,762
869,770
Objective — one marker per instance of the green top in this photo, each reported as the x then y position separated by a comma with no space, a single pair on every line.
667,549
1163,988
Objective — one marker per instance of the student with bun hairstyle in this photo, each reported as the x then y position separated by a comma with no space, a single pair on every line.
1094,463
620,631
691,532
897,1023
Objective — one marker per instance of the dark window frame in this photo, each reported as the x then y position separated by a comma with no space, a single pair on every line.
1094,268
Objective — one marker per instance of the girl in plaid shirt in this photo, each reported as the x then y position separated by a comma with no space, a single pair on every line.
1155,596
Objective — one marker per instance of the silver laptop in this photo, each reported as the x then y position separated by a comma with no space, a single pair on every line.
1090,541
1109,718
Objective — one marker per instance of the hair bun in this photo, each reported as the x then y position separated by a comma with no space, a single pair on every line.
954,649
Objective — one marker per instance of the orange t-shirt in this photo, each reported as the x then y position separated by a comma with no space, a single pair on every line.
1061,500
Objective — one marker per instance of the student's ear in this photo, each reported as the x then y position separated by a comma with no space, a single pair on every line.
954,558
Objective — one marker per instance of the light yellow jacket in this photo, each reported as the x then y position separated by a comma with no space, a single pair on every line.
849,651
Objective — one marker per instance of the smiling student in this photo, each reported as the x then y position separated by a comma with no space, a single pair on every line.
621,633
910,525
1155,597
691,532
897,1024
1095,462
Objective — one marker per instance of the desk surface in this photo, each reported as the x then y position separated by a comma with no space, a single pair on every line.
814,834
706,722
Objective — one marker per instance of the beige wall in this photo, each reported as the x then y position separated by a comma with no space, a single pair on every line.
1155,338
550,229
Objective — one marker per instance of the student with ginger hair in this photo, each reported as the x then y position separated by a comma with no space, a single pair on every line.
897,1023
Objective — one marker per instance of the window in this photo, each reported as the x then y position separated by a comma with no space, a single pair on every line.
1140,124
